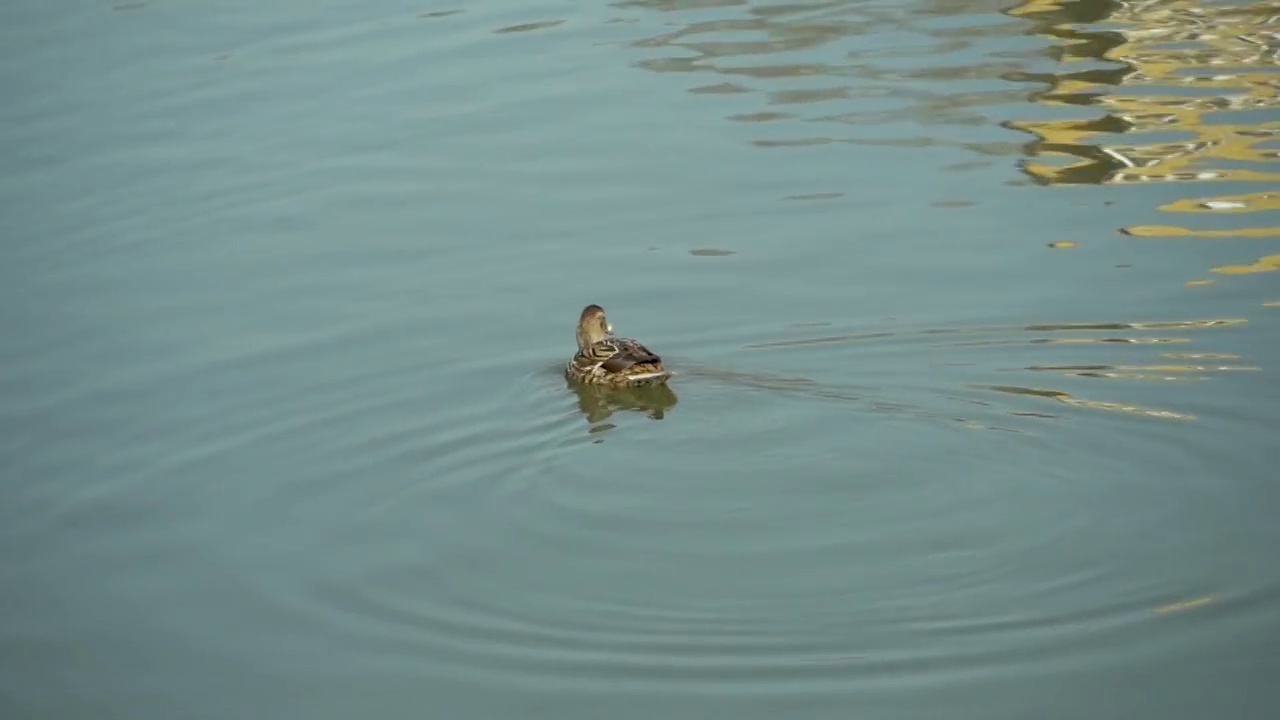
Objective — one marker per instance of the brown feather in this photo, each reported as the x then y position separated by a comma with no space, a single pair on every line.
606,360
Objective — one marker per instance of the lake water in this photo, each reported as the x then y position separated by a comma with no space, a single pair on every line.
976,402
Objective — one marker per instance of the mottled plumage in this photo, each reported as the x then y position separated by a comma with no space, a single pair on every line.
603,359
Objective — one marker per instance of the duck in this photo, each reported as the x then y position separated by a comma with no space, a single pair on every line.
604,359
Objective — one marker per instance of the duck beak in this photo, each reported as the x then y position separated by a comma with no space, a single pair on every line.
608,328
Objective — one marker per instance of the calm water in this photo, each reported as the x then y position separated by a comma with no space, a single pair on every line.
977,348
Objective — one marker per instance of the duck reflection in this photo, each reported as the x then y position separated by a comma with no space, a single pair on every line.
598,403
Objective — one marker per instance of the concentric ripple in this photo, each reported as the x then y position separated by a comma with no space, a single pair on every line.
559,572
967,302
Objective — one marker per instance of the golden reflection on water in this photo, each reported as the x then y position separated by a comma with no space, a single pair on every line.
1176,231
1184,605
1140,372
1188,92
1067,399
1249,202
1175,91
1195,85
1182,68
1262,264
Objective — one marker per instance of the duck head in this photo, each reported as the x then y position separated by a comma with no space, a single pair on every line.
592,326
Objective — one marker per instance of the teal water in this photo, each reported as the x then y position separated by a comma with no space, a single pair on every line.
286,290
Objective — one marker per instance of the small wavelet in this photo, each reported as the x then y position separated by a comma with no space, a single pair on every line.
858,89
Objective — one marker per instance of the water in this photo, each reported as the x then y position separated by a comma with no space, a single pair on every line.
969,304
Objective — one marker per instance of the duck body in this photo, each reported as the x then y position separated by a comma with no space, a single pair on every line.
617,361
604,359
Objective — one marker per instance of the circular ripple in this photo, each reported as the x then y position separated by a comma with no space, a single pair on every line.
646,560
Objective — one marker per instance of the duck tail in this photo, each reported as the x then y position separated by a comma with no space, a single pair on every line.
650,378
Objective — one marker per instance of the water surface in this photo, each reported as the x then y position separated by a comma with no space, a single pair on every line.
971,305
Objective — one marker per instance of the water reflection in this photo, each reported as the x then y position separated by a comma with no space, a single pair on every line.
1141,372
598,403
1188,93
1068,399
1182,77
1263,264
1173,91
1180,64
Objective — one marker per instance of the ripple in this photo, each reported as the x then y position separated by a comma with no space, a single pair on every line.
803,47
325,459
529,26
1056,337
904,582
1067,399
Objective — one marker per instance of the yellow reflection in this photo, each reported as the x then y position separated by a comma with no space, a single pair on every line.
1191,96
1251,202
1184,605
1156,325
1262,264
1067,399
1135,341
1180,66
1140,372
1200,356
1175,231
